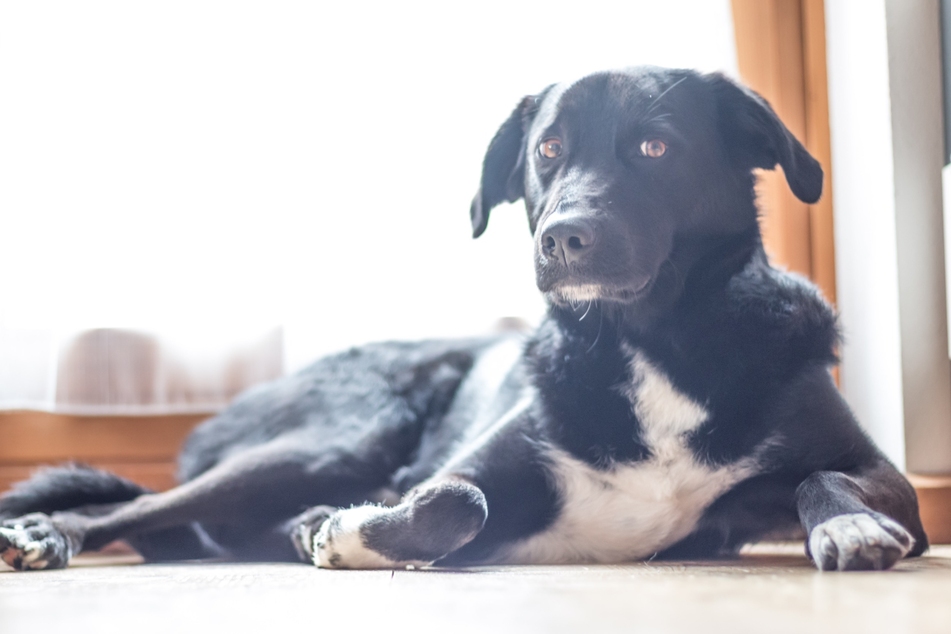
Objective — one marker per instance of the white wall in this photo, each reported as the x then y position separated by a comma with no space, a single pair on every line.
885,110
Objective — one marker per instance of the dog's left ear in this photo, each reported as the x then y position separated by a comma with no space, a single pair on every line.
503,170
757,138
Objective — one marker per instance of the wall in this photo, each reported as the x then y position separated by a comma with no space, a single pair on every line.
885,120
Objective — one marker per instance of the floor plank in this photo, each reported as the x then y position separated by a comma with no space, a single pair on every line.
771,589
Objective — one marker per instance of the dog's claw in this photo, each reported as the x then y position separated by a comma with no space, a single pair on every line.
306,526
32,552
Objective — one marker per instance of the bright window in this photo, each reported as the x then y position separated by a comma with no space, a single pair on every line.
214,168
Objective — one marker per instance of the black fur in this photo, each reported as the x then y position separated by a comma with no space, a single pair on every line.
658,254
66,487
436,521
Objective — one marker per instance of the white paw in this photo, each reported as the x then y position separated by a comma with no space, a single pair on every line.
339,543
33,543
860,541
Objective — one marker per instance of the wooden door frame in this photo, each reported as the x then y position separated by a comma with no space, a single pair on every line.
781,53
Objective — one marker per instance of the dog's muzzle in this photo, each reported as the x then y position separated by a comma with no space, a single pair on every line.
572,263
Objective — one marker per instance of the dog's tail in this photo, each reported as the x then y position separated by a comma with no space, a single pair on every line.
67,487
82,488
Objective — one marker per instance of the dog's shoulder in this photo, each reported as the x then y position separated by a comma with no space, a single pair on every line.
762,313
781,311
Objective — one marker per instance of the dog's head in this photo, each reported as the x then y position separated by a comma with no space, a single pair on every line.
619,170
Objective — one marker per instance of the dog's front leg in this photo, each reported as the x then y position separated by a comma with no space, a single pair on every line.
430,522
861,520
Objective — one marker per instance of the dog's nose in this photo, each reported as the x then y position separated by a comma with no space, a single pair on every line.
567,239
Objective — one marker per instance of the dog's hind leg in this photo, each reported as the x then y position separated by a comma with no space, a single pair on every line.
258,486
87,491
429,523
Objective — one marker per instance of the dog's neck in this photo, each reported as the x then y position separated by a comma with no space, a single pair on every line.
698,267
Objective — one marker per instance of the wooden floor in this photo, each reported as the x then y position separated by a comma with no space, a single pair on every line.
772,590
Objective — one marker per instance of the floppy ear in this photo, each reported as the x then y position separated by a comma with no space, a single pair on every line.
757,138
503,170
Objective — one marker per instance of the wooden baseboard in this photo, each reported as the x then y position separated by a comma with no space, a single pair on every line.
31,437
141,448
934,500
158,476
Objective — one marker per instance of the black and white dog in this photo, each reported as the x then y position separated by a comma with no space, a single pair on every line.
676,400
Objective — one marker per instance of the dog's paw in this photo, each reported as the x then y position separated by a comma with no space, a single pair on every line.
860,541
340,543
32,542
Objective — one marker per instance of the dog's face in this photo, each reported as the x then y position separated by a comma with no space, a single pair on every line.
618,170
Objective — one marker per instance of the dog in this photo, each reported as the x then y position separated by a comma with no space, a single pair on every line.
675,402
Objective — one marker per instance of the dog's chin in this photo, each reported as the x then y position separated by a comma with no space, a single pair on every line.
567,294
576,294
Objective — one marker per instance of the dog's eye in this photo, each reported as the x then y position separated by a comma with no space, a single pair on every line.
653,148
550,148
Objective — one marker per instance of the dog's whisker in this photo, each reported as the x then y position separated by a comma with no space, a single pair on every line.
587,310
660,117
663,94
597,337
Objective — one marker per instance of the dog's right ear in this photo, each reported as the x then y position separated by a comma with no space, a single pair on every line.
503,170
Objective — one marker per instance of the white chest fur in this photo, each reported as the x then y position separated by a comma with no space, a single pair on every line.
632,511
